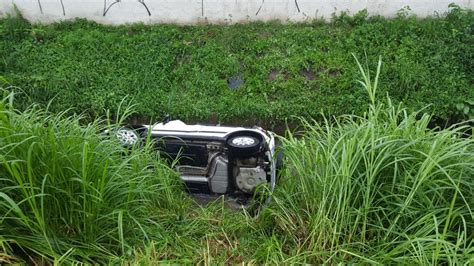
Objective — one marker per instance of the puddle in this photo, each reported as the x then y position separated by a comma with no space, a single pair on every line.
235,82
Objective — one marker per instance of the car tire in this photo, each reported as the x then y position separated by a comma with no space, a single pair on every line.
127,136
244,143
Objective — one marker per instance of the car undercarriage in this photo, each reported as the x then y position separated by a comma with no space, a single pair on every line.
212,160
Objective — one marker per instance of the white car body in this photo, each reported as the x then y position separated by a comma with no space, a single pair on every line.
226,159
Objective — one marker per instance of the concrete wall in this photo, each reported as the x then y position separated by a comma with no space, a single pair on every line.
214,11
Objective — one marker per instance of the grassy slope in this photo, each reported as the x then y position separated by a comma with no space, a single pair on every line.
183,71
382,188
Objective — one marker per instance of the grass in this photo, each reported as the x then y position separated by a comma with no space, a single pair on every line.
378,188
69,193
289,70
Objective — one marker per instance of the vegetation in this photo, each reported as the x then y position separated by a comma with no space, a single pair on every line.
377,188
69,193
381,188
288,70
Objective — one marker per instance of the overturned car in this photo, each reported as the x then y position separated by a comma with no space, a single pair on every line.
212,159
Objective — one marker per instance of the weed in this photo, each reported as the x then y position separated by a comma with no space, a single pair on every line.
69,193
184,71
378,188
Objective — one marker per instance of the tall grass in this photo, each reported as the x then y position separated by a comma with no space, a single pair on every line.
69,193
383,188
380,188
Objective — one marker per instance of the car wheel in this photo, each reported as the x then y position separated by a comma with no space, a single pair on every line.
127,136
245,143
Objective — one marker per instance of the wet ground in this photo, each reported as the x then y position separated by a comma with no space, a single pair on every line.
231,202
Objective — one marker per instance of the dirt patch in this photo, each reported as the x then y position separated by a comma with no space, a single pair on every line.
308,74
334,72
275,74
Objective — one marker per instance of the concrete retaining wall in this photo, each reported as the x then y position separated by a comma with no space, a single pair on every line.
214,11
